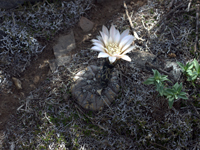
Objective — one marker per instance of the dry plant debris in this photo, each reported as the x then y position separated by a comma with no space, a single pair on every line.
21,27
50,119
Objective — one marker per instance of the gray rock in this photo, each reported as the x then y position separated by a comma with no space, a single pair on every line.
176,70
61,61
53,65
65,45
140,58
86,24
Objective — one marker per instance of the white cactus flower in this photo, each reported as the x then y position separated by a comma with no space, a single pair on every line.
113,45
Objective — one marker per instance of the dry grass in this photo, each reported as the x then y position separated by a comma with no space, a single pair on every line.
50,118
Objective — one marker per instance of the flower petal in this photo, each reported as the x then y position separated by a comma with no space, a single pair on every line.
105,30
104,38
125,57
99,45
124,33
97,41
102,54
128,50
112,59
100,38
117,37
127,45
96,48
112,33
125,40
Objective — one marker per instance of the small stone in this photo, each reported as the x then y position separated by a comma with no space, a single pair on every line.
36,79
17,83
140,58
176,71
65,45
85,24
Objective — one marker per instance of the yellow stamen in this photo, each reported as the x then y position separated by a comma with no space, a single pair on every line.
113,49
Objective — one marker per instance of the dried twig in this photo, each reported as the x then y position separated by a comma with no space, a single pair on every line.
188,8
131,24
158,145
13,18
197,24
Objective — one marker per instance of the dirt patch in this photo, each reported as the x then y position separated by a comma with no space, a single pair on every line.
33,76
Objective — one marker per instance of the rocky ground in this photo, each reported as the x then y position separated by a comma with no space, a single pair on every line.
37,70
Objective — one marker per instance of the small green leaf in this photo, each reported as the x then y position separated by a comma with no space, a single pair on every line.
176,86
189,66
196,65
160,88
170,102
190,73
149,81
181,66
169,91
182,95
164,78
155,72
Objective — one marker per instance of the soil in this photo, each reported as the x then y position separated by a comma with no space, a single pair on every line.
33,76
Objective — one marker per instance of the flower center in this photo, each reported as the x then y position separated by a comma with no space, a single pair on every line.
113,49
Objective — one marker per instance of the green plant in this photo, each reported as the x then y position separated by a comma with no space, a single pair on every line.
171,93
191,70
174,93
158,81
185,68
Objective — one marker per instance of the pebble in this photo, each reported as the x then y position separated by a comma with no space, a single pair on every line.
17,83
85,24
